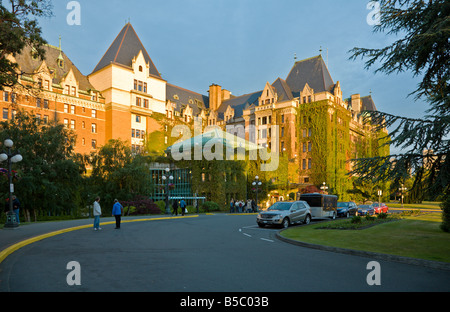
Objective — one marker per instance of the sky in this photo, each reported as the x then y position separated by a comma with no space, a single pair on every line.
238,44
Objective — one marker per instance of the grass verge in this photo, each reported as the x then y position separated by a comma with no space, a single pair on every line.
416,236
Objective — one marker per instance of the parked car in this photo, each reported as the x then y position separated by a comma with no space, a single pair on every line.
346,209
364,210
285,213
380,207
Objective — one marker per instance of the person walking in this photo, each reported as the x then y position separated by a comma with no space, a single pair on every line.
97,214
175,207
232,205
16,207
117,212
182,206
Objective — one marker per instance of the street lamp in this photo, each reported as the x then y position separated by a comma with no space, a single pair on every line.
257,184
380,192
401,189
324,187
11,219
168,178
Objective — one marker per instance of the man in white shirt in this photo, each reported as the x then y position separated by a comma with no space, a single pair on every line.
97,214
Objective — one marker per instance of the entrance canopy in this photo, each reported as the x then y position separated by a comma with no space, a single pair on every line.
213,137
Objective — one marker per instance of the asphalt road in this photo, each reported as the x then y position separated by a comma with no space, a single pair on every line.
205,253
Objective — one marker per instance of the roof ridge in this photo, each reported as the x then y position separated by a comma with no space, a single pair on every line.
121,42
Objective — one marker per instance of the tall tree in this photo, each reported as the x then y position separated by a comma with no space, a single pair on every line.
424,49
117,173
49,178
18,28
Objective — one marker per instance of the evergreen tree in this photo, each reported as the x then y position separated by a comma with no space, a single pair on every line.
424,48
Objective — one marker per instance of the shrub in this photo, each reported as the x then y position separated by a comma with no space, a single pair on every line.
356,219
382,215
210,206
162,205
370,218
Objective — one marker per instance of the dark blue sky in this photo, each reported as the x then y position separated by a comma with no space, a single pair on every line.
238,44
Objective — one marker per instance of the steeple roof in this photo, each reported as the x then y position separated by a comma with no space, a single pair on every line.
312,71
124,48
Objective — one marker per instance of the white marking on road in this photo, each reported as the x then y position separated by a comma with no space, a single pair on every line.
268,240
247,234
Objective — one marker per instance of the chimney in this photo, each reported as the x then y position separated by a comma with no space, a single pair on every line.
215,96
356,102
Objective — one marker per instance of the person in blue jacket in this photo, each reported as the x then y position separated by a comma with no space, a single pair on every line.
183,206
117,212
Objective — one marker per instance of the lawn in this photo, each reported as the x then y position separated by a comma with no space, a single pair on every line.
411,236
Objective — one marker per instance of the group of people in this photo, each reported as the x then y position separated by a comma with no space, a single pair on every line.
243,206
175,207
116,212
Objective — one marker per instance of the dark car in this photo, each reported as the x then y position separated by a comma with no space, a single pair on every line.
346,209
364,210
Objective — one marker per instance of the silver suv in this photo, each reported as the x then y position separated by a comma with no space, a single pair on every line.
285,214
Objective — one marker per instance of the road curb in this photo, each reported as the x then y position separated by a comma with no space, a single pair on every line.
374,255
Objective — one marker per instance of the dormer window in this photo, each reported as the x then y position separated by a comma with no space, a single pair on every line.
140,68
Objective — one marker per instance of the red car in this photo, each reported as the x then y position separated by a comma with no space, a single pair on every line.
380,207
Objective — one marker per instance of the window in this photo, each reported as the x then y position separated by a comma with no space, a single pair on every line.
140,86
74,91
282,118
138,118
145,103
5,96
282,131
45,119
72,109
94,128
83,141
145,87
135,84
38,102
47,85
66,123
309,146
67,90
309,98
138,134
72,124
94,113
5,113
140,68
304,147
138,101
94,144
309,163
132,133
83,125
46,104
303,164
66,108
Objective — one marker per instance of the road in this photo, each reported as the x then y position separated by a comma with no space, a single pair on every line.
205,253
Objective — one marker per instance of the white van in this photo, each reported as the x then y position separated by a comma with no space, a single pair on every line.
322,206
